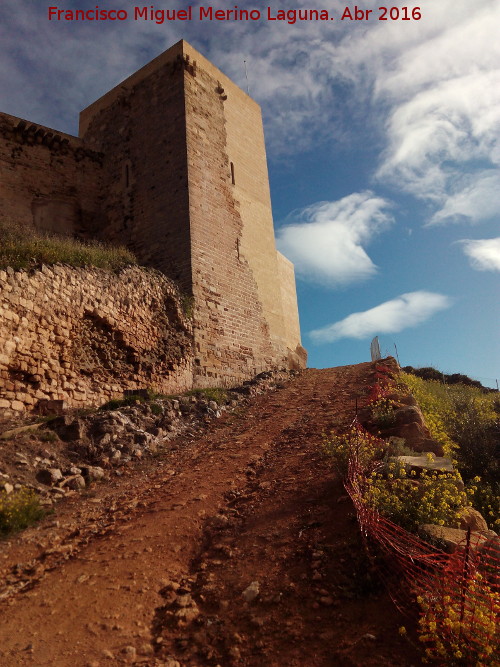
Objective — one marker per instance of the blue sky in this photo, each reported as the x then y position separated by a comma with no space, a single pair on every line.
383,142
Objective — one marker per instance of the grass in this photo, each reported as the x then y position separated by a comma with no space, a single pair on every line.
187,305
118,403
152,399
21,248
19,510
467,421
216,394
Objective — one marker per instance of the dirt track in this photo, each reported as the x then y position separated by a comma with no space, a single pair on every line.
152,568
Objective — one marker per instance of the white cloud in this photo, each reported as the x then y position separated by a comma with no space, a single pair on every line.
443,100
438,152
403,312
325,241
428,91
475,199
484,254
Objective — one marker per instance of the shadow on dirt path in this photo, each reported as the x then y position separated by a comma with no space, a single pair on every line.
239,548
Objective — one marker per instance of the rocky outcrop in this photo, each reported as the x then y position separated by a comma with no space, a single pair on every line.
66,454
391,413
453,539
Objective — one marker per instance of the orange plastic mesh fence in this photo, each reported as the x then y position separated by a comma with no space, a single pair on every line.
458,594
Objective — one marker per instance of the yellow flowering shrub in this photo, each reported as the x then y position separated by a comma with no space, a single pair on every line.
466,421
18,510
460,625
435,408
383,412
410,501
460,605
367,448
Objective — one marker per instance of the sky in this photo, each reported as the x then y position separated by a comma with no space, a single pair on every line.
383,146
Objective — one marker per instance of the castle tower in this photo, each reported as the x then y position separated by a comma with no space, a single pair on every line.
185,186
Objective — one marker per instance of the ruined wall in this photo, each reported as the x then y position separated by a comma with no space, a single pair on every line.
48,179
172,164
86,335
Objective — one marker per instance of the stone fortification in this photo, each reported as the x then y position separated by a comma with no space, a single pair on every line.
199,207
48,180
172,164
84,336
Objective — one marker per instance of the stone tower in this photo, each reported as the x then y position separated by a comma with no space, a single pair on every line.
172,164
186,187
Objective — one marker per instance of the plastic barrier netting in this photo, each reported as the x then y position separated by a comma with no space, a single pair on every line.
457,594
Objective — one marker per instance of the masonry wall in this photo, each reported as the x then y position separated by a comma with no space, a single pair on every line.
48,180
172,164
232,336
172,200
139,127
86,335
244,167
297,356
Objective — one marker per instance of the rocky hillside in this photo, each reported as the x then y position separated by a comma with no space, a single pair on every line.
219,535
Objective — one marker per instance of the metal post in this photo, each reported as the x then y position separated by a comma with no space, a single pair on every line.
246,77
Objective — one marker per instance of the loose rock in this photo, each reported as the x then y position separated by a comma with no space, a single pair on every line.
251,592
49,476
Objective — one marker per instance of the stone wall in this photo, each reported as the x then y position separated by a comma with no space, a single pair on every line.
170,163
187,190
297,354
139,128
48,180
232,333
245,169
86,335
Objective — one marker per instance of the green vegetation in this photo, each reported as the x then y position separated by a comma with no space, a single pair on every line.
143,396
458,625
25,249
187,305
433,408
19,510
429,373
368,448
211,394
153,399
458,634
383,412
433,498
467,422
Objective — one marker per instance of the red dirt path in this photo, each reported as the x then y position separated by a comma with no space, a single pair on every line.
150,570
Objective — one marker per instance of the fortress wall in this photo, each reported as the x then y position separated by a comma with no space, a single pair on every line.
86,335
231,332
174,167
181,213
140,128
297,355
48,179
246,151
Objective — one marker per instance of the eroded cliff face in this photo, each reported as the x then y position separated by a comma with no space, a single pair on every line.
84,336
